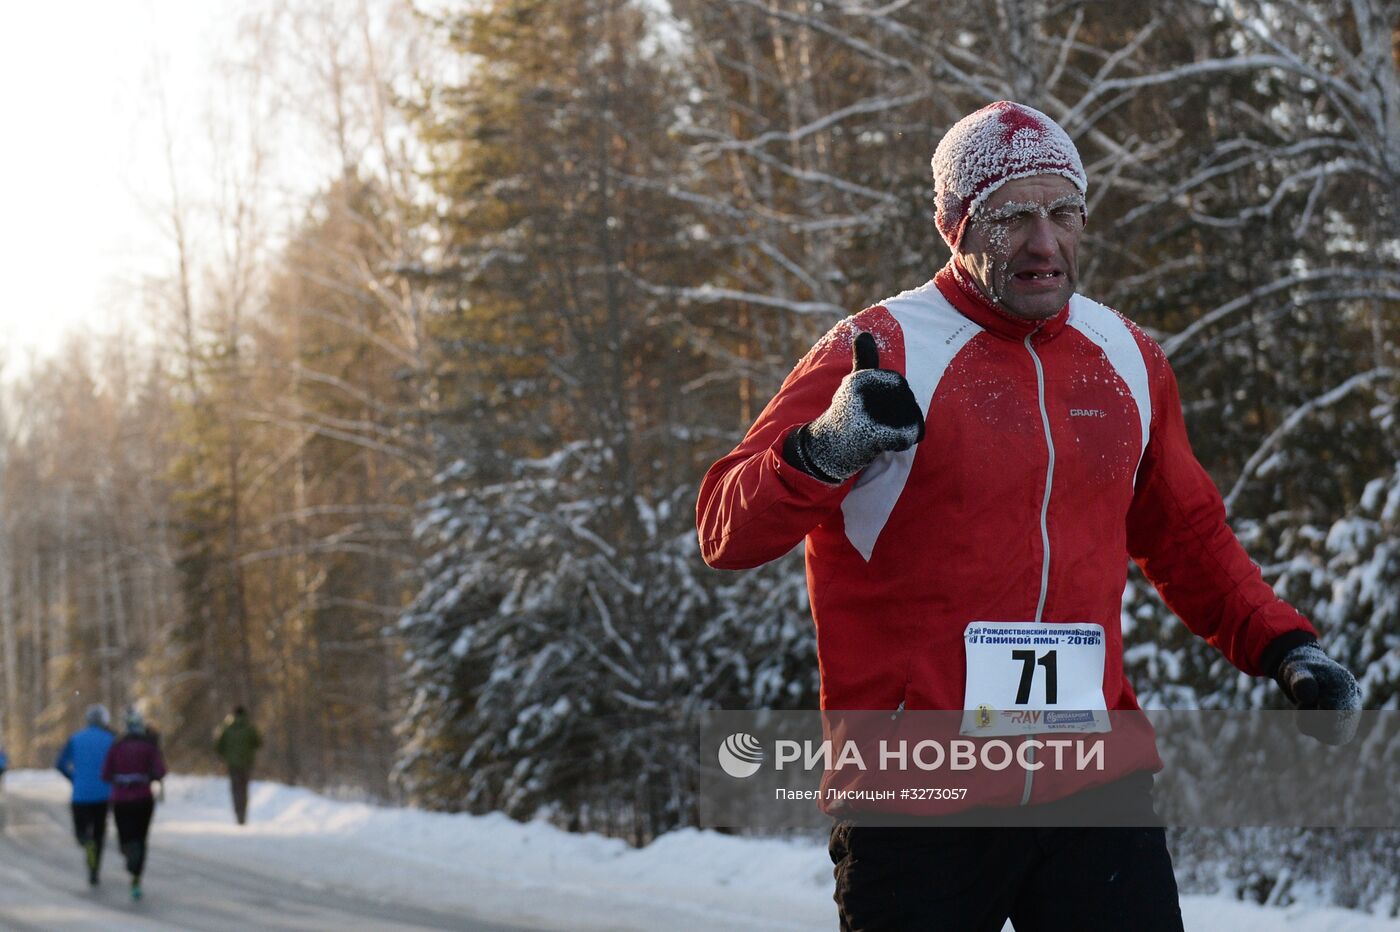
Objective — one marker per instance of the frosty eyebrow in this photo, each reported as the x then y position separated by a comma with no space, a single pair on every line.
1017,208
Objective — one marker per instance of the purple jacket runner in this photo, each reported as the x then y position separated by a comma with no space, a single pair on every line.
131,765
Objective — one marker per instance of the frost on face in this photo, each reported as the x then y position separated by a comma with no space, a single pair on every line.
986,149
1067,211
1006,226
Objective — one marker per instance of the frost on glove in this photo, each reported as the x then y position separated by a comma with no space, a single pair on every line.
872,412
1326,694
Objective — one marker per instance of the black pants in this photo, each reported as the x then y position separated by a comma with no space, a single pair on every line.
972,879
133,823
90,824
238,778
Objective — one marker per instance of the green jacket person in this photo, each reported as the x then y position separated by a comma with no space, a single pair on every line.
238,745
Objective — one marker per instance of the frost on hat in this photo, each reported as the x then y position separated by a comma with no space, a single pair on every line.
990,147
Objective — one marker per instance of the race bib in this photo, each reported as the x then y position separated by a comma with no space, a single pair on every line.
1024,677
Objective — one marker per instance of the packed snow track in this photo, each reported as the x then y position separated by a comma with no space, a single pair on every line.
43,887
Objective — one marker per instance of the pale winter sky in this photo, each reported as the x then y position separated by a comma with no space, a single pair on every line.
82,163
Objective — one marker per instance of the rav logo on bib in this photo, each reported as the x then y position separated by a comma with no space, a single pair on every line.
1027,677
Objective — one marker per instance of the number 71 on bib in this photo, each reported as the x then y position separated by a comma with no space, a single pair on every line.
1026,677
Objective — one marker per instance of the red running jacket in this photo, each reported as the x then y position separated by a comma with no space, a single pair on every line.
1054,450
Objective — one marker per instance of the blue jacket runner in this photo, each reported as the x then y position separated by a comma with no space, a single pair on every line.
81,762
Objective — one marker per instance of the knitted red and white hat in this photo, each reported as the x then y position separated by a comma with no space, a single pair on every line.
986,149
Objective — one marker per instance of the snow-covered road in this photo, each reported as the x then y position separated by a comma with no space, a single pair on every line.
304,853
309,862
42,887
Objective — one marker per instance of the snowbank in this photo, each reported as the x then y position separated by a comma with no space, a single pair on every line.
537,876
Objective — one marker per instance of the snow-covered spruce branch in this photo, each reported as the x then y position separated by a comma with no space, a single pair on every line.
548,634
708,294
1327,399
622,673
582,533
605,619
632,587
631,701
553,462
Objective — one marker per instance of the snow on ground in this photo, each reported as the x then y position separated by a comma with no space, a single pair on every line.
535,875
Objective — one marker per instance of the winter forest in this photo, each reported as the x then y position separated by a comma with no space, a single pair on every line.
409,465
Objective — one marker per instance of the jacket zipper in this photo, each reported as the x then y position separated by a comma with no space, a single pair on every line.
1044,516
1049,479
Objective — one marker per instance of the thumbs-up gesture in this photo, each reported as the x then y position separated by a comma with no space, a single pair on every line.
872,412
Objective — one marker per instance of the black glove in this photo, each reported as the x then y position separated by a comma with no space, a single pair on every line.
1326,694
872,412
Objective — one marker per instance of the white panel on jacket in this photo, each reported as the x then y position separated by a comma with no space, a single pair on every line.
934,332
1108,331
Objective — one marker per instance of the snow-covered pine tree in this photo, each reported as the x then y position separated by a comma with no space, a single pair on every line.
563,634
